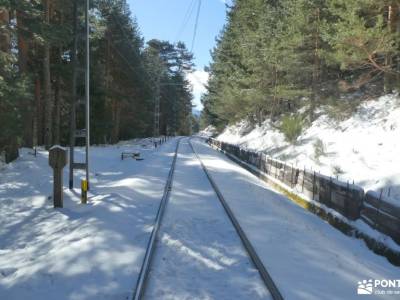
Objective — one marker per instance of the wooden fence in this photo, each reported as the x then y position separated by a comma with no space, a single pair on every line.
348,199
382,213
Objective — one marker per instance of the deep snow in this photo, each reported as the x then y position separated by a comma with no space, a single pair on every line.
306,257
95,251
79,252
363,148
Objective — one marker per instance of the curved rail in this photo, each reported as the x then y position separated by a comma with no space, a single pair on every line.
141,281
273,289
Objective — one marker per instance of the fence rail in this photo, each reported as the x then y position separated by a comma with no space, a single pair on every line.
349,200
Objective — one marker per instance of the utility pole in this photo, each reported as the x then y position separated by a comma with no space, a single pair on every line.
157,109
79,102
72,122
87,92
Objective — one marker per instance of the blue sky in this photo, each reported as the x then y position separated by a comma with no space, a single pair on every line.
164,19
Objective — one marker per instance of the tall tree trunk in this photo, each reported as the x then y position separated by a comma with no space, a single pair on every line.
22,42
390,77
58,95
23,66
37,120
57,110
316,66
107,79
260,115
48,103
397,30
275,100
116,118
11,143
4,34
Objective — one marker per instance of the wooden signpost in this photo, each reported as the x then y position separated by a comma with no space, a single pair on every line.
58,160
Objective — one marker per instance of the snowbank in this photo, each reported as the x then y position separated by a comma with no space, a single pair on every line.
209,131
305,255
363,148
79,252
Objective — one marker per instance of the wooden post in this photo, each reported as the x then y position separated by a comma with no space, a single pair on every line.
377,209
313,187
270,165
58,160
291,178
330,189
284,175
346,203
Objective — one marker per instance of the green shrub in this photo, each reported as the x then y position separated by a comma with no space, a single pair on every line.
337,170
291,127
319,149
341,110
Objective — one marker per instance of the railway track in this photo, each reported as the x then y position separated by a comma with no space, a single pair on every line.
269,283
141,282
144,271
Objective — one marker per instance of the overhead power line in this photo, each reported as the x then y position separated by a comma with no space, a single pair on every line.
196,25
186,19
134,50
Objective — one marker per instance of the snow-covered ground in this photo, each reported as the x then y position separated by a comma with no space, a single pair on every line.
306,257
363,148
207,132
79,252
95,251
199,254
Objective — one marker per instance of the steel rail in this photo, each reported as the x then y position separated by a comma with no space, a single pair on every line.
267,279
144,271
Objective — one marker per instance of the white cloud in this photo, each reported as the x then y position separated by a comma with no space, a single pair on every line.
198,79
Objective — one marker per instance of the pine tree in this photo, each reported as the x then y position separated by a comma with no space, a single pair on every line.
36,74
13,90
171,64
363,39
273,57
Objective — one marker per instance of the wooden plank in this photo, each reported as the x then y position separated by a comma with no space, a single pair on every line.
355,202
372,198
338,199
349,198
325,193
385,223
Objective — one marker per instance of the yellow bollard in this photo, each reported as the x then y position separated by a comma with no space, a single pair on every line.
84,188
